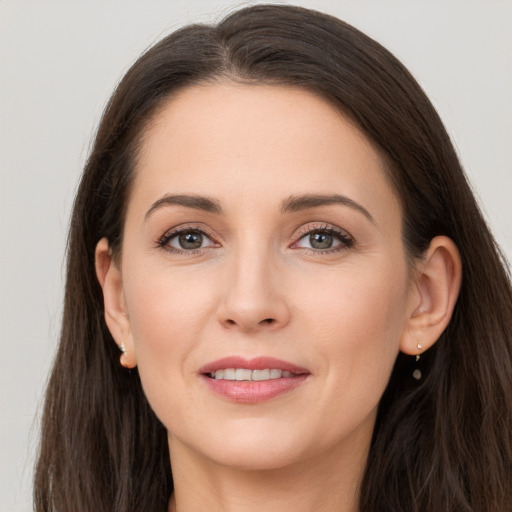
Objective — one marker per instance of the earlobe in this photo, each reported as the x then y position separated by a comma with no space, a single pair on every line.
436,288
116,315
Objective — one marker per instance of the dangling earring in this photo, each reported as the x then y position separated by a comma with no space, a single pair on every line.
419,346
417,372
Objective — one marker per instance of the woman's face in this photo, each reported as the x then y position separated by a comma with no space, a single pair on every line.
262,241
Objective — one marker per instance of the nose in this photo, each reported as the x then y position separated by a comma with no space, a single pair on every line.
254,297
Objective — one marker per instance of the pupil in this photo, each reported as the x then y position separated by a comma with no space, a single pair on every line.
320,240
191,240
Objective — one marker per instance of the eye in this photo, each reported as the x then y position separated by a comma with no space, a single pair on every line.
186,240
323,239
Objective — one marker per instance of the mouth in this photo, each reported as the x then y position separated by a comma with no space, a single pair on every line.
252,381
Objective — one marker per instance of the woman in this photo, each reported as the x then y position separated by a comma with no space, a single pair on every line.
279,286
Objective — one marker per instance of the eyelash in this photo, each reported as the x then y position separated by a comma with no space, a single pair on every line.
346,240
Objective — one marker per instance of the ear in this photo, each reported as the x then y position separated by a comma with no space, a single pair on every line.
435,290
116,315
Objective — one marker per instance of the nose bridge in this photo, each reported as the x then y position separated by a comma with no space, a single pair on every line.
253,297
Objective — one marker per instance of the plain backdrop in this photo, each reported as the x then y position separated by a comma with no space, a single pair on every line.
59,62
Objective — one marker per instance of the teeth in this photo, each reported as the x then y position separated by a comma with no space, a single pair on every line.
254,375
262,375
229,374
241,374
277,374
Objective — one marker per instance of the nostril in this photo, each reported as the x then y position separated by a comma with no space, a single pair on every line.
249,324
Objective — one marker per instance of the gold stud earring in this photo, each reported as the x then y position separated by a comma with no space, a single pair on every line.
122,359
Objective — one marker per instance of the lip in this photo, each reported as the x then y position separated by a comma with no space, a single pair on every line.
252,392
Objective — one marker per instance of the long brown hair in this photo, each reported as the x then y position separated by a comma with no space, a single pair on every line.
443,443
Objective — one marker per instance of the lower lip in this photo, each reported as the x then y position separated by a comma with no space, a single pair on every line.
251,392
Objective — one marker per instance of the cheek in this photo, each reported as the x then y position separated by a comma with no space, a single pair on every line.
368,301
167,313
357,319
355,325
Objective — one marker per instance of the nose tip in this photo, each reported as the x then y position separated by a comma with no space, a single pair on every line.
253,304
250,319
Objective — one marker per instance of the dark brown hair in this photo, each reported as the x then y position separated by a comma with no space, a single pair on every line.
442,444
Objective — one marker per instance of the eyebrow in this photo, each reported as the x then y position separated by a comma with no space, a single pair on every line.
189,201
292,204
305,202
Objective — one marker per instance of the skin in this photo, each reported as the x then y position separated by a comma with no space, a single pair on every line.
258,287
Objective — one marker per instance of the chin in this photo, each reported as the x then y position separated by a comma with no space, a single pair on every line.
257,458
255,448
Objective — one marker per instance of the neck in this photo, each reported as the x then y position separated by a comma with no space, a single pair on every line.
326,483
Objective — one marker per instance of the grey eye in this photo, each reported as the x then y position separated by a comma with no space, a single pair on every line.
321,240
189,240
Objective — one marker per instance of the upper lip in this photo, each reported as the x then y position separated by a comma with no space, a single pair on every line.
255,363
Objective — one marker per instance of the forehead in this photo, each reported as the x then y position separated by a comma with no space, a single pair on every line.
236,142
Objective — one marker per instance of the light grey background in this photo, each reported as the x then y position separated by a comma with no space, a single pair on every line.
60,60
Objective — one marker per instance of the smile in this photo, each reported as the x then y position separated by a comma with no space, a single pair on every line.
251,381
244,374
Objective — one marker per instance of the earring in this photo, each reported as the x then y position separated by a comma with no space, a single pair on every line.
417,372
122,359
419,346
